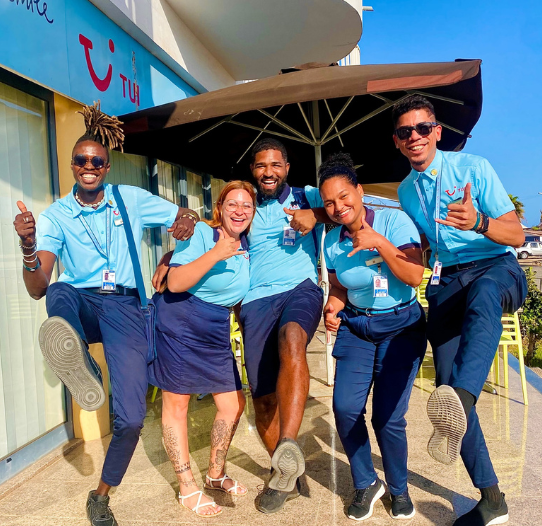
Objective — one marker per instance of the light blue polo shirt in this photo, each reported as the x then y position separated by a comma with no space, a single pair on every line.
276,268
228,281
355,275
488,196
60,231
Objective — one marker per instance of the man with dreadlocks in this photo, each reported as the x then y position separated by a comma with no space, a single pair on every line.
95,299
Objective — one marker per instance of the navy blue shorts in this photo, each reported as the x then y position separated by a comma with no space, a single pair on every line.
193,350
262,320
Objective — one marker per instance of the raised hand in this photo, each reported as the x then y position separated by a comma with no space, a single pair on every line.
226,247
303,221
331,321
365,239
25,225
461,215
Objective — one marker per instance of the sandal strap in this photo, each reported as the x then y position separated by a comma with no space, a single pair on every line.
198,505
182,497
221,480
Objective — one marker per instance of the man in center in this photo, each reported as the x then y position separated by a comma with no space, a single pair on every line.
280,314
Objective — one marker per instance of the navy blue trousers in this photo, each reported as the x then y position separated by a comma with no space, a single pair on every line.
384,352
464,329
117,322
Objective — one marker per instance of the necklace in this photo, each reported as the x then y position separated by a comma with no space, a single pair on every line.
90,205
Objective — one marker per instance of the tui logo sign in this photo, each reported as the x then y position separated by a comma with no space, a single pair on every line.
104,83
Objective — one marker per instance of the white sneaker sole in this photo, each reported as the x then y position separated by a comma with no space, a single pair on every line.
65,353
499,520
377,496
289,464
450,424
402,516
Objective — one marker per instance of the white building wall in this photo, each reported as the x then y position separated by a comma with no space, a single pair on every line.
157,20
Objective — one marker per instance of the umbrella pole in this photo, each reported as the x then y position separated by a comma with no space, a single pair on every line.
324,280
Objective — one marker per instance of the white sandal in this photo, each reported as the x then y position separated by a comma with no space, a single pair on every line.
231,491
198,505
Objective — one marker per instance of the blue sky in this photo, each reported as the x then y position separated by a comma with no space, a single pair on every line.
507,36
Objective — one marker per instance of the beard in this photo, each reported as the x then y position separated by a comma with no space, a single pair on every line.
275,194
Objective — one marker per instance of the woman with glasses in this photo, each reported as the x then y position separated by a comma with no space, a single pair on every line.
374,261
208,275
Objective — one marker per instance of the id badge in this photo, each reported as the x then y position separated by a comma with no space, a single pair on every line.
380,286
109,282
437,269
288,236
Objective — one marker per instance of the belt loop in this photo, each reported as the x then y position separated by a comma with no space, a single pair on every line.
396,310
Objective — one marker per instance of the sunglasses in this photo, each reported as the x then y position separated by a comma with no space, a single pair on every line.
422,129
82,160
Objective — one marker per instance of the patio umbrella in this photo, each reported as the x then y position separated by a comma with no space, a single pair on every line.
315,111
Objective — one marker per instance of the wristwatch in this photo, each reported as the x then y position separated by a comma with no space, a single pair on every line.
484,224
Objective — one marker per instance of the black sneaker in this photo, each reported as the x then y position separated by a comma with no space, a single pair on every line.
98,511
68,357
288,464
364,501
272,500
483,515
401,506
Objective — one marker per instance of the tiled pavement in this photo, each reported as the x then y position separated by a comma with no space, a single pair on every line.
56,495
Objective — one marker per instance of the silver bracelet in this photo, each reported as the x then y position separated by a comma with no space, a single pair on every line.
26,260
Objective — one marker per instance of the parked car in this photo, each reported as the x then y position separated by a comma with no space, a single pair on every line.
530,248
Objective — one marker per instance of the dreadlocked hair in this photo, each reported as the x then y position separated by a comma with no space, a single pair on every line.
101,128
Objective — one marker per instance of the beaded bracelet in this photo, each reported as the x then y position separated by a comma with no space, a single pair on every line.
21,246
32,269
26,260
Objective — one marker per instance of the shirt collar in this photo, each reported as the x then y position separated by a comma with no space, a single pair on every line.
369,217
432,170
281,198
242,237
77,209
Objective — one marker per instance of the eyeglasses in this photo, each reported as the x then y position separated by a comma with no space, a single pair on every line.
81,161
422,128
233,206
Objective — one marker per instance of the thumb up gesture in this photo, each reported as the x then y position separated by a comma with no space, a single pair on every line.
25,225
461,215
226,247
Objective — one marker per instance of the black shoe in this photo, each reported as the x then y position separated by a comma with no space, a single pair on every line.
483,515
401,506
272,500
68,357
364,501
98,511
288,464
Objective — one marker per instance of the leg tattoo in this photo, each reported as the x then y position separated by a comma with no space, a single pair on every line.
221,437
171,443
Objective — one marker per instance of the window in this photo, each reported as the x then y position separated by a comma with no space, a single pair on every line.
32,400
195,192
216,188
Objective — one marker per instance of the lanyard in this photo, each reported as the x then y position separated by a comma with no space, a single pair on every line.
432,224
107,234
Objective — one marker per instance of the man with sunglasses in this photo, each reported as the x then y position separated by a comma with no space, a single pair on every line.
95,299
467,219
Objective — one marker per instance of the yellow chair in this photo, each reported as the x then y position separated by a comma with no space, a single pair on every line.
511,335
420,289
236,338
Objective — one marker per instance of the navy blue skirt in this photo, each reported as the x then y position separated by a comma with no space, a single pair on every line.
193,350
